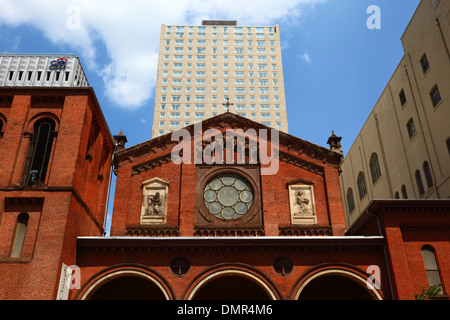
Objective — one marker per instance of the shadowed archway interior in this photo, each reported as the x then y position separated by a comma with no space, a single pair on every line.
334,287
231,288
128,288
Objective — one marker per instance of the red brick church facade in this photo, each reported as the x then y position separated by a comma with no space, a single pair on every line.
216,230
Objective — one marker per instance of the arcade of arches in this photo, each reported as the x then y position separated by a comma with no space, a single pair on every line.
231,285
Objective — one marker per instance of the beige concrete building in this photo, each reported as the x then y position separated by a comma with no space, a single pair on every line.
403,149
200,67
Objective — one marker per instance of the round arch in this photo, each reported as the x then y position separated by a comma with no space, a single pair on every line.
42,115
351,285
236,280
118,279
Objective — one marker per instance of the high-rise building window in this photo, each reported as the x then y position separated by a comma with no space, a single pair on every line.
419,183
39,153
435,96
428,176
448,145
411,128
402,97
404,192
361,185
374,168
350,200
424,63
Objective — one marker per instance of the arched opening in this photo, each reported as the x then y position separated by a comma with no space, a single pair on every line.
126,286
231,287
337,286
39,153
19,238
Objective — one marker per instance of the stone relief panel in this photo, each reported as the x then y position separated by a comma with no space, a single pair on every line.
154,202
301,198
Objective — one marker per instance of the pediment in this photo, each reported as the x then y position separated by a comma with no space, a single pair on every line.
155,181
291,149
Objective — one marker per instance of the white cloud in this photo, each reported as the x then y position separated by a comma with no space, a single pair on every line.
306,57
130,31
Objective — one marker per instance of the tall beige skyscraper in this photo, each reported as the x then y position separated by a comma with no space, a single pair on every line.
200,67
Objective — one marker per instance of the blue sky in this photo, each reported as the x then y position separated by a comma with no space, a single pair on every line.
335,68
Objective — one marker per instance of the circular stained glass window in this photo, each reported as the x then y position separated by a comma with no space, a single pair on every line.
228,197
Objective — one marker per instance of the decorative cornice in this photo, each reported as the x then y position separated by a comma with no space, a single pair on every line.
228,232
297,231
152,231
225,243
380,208
296,161
156,162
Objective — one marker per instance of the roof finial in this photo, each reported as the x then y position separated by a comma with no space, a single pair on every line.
228,104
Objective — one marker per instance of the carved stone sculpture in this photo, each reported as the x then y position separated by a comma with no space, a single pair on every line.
154,203
303,204
301,198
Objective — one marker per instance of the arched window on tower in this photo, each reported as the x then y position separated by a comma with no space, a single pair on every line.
404,192
350,200
19,238
431,266
361,185
448,145
1,128
428,176
374,168
39,153
420,183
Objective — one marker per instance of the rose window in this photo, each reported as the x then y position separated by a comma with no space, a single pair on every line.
228,197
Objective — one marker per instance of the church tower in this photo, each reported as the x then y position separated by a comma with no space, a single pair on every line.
55,155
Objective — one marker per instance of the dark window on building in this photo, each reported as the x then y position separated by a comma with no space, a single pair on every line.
420,183
397,195
424,63
404,192
431,267
361,185
428,176
19,238
435,96
375,168
283,266
402,97
180,266
448,145
39,153
1,128
350,200
411,128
